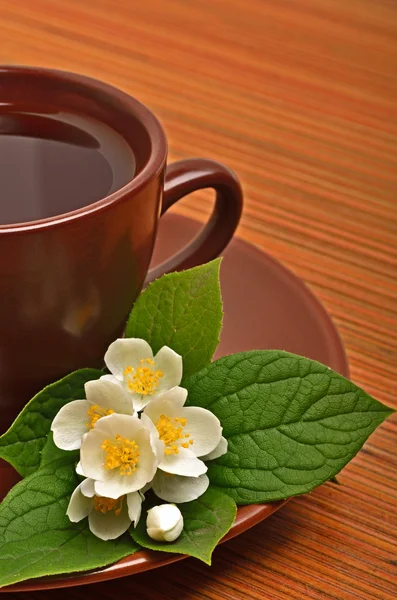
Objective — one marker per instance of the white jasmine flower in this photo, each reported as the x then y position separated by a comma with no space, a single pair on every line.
118,454
108,518
164,523
188,434
141,374
76,418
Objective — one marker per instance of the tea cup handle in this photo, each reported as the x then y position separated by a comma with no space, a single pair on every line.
183,178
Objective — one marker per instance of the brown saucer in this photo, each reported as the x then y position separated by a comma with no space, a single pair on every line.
266,306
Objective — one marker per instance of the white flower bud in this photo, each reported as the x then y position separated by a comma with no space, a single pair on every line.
164,523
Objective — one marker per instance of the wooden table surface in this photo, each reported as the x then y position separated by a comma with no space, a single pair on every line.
299,98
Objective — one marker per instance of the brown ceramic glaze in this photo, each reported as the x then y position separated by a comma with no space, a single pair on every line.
266,306
68,282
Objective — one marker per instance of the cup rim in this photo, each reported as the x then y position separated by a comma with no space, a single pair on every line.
150,171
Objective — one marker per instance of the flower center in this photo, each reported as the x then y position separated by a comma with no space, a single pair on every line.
122,454
105,505
96,412
144,379
171,431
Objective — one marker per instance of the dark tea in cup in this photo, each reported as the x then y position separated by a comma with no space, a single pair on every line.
53,163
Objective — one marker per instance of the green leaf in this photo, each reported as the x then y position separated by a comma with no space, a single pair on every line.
36,536
182,311
51,452
22,444
291,423
206,521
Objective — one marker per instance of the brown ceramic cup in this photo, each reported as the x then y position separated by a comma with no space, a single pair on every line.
69,281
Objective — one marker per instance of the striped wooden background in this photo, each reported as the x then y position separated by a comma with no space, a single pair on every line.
299,97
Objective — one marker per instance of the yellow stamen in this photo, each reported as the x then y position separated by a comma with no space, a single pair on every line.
105,505
148,361
171,431
96,412
143,380
122,454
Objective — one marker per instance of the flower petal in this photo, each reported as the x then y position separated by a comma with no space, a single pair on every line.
92,455
126,352
204,429
220,450
117,485
70,424
79,505
168,403
125,425
174,488
158,445
170,363
109,526
171,536
79,469
108,395
111,379
134,503
87,488
145,488
184,463
139,401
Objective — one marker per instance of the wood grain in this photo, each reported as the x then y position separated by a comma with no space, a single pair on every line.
299,97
